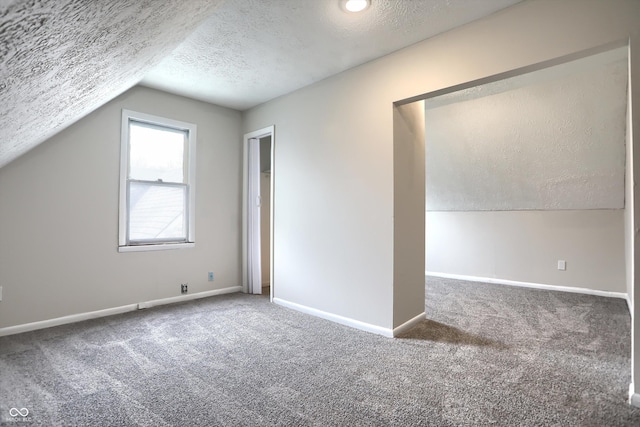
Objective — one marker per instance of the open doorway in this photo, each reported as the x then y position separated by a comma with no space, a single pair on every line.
526,178
257,243
265,214
531,185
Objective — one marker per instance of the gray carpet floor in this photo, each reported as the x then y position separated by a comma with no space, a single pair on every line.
487,355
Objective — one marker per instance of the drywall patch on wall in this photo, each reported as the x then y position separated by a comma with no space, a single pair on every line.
550,140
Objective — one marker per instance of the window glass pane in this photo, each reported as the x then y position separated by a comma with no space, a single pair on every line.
157,211
156,153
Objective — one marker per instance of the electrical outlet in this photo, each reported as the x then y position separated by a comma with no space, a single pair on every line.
211,276
0,293
184,288
562,265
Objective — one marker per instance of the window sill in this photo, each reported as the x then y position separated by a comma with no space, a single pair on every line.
160,247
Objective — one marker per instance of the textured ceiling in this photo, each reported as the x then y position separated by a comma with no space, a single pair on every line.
251,51
548,140
62,59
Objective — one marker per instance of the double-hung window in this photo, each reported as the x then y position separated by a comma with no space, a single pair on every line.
157,183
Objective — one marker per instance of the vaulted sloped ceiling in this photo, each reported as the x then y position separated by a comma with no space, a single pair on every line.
62,59
251,51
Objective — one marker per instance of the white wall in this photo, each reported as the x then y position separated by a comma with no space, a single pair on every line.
59,217
525,246
334,196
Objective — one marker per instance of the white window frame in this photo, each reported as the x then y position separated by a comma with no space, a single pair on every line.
190,174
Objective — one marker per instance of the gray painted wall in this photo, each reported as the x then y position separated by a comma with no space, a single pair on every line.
334,249
408,208
525,246
334,193
408,211
59,217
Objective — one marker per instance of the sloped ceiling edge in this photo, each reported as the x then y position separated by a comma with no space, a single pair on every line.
62,59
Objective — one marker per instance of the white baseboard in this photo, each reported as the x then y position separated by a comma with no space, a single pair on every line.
368,327
587,291
10,330
409,324
634,398
27,327
188,297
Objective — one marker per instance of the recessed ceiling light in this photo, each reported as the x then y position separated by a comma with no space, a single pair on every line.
355,5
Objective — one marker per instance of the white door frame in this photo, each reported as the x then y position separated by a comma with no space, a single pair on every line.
261,133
